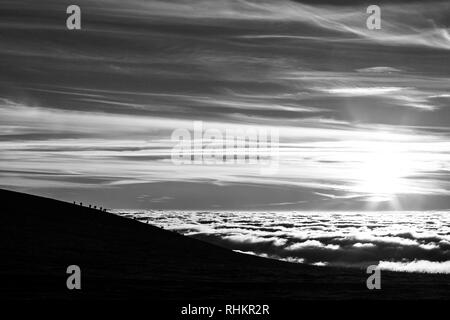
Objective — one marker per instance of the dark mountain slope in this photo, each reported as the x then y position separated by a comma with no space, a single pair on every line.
125,259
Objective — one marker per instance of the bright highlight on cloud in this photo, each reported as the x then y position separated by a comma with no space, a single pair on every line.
416,266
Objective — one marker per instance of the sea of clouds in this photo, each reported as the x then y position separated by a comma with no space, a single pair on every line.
397,241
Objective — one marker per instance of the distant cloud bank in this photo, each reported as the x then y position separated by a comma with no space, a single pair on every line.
396,241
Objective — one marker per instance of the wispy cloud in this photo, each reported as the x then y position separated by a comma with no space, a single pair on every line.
99,111
403,24
363,91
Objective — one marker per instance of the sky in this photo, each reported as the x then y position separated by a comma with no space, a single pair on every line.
362,115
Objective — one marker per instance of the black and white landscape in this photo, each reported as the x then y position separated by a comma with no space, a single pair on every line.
249,149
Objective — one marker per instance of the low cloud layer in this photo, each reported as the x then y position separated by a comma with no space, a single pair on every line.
416,266
397,241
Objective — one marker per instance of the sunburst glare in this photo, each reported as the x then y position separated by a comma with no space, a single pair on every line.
384,170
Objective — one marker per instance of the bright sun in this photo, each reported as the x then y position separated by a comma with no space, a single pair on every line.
383,171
